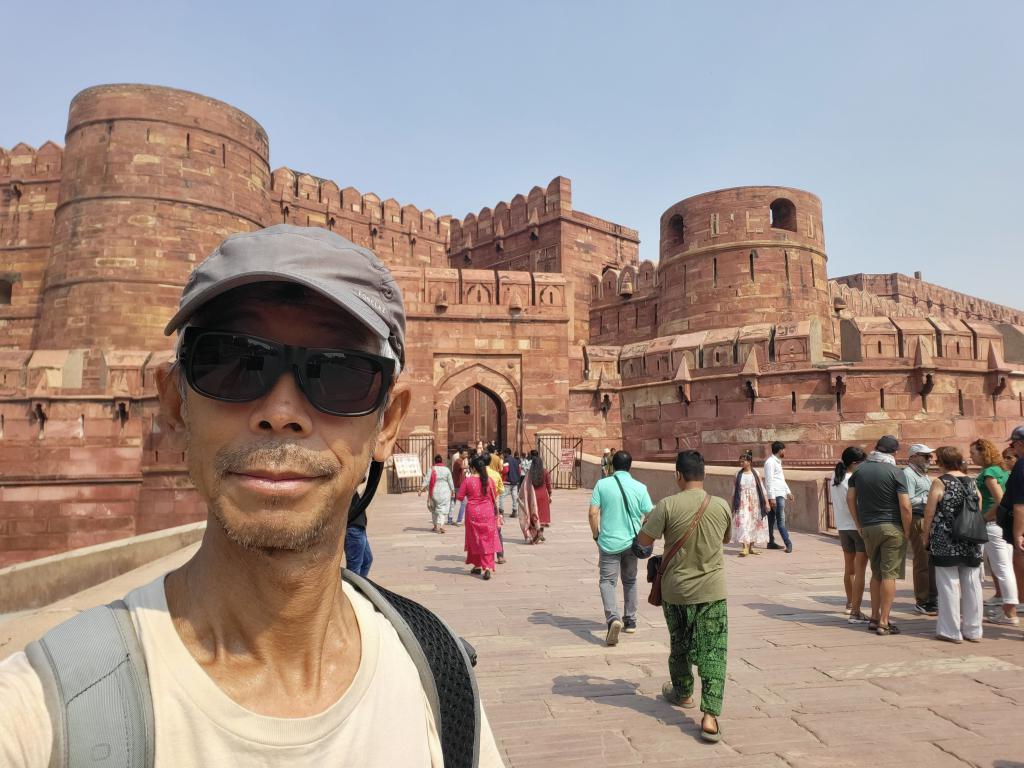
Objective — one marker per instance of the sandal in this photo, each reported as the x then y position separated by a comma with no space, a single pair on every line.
477,571
859,618
872,624
669,692
889,629
712,736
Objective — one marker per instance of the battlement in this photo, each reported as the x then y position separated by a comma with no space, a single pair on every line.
912,295
507,218
287,185
433,292
24,163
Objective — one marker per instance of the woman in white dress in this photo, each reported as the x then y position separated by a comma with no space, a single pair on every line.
749,508
440,488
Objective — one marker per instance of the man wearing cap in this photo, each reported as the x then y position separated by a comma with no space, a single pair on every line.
880,505
918,485
290,343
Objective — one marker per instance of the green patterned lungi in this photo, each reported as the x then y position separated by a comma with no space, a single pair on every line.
699,636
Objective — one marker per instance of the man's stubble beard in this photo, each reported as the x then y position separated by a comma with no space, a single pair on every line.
267,539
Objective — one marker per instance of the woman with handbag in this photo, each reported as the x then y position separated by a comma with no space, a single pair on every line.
749,508
440,489
953,501
481,521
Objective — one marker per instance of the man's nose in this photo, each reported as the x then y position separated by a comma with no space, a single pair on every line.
283,409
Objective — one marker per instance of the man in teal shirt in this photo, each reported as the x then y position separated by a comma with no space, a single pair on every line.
617,508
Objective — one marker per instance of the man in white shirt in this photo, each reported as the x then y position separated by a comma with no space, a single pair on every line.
290,345
778,494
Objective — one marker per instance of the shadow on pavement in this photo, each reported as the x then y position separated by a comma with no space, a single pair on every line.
623,693
582,628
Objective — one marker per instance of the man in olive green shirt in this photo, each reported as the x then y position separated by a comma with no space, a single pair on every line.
693,589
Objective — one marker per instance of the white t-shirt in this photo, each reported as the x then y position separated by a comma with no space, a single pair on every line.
840,509
383,719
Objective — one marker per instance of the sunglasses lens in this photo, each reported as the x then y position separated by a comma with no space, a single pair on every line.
232,367
343,384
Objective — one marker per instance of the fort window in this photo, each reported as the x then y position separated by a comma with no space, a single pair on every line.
716,356
714,224
813,277
792,401
224,154
716,406
881,399
714,272
6,291
879,347
786,254
960,400
676,230
188,142
753,255
783,214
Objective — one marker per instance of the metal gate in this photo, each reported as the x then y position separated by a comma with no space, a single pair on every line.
423,447
553,449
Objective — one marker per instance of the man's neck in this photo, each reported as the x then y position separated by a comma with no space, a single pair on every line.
274,630
691,485
921,471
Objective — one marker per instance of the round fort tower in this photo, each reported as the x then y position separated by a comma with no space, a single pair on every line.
742,256
154,178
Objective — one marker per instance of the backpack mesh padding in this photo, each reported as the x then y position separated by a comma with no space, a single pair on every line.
455,683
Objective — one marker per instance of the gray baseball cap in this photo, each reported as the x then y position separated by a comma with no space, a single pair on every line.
1017,434
347,274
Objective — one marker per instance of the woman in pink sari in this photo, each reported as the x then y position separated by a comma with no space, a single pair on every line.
481,524
529,514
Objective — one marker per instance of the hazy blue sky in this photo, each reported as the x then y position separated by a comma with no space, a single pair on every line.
905,118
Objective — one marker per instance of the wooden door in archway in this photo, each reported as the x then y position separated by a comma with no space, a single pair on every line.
476,414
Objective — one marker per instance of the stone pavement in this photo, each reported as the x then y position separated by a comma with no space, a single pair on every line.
805,688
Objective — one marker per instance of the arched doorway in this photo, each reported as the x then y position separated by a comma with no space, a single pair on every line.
475,414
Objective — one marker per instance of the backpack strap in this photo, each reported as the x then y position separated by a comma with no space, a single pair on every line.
445,665
96,688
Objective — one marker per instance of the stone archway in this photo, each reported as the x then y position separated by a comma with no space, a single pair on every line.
495,385
477,414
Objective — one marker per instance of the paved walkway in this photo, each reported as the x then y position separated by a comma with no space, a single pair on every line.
805,688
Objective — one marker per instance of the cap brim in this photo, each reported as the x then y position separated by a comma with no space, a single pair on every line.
344,298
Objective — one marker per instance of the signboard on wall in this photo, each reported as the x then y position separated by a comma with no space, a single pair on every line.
407,465
566,459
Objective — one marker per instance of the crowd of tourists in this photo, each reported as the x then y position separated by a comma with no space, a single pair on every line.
475,490
951,523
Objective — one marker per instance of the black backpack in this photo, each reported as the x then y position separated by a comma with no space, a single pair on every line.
969,523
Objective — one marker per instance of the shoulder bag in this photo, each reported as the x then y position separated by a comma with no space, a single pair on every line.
969,524
639,550
656,565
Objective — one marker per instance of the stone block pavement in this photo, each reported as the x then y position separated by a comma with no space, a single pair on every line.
805,688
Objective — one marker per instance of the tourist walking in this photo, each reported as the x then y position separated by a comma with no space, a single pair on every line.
494,473
957,562
880,506
511,476
459,468
693,589
778,494
617,509
529,515
855,557
540,480
992,485
749,508
440,488
606,463
481,522
918,487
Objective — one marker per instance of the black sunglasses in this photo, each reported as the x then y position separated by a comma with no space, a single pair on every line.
238,368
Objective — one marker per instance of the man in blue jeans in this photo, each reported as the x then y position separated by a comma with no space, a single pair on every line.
358,556
617,509
778,494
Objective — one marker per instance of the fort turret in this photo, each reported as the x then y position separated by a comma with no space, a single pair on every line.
153,179
740,257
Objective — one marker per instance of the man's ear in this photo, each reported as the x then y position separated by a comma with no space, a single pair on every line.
398,407
169,391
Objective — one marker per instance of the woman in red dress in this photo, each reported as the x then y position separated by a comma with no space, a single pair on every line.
541,482
481,524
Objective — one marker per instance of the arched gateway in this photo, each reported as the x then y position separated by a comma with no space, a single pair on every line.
478,403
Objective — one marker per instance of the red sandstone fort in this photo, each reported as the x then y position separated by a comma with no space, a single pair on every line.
526,318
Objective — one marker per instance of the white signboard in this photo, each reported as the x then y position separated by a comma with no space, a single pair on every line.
407,465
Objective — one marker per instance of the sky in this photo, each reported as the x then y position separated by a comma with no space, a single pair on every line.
905,118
